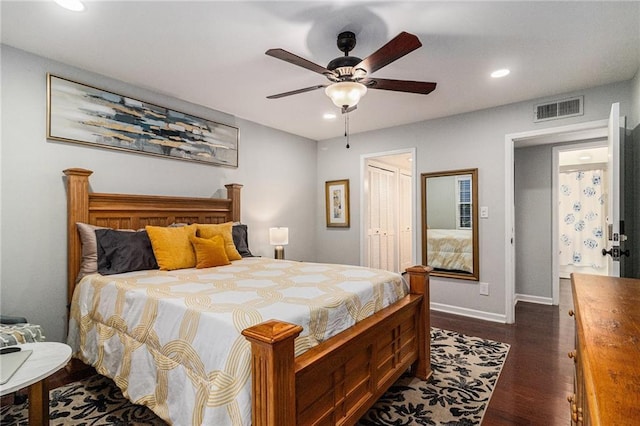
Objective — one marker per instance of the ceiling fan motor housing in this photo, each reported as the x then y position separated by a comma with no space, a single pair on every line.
342,68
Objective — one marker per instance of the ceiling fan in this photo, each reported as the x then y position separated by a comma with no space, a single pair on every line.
349,75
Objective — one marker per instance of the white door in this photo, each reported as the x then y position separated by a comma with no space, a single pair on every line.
381,232
613,198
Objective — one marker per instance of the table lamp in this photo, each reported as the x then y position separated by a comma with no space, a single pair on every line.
279,237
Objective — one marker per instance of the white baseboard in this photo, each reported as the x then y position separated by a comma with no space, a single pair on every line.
487,316
533,299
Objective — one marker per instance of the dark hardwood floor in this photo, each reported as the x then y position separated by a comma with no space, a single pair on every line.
538,375
536,378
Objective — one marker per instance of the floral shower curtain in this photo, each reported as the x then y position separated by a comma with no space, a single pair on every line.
582,218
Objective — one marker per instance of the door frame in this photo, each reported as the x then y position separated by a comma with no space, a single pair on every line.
364,193
552,135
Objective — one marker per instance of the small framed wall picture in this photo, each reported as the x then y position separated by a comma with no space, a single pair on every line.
337,203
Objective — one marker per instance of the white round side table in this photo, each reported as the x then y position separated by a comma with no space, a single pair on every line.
46,359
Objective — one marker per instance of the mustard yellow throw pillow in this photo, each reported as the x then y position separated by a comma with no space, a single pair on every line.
209,251
225,230
172,247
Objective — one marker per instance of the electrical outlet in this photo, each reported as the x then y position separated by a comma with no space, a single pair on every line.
484,289
484,212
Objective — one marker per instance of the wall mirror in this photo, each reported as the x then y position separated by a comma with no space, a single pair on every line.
450,223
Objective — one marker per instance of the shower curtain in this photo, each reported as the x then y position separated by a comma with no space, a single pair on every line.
582,218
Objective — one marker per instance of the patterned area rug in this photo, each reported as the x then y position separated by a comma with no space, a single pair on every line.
465,371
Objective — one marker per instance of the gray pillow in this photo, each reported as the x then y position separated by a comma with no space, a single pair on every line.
241,239
124,251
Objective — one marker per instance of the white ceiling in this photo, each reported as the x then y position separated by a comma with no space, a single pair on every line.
212,53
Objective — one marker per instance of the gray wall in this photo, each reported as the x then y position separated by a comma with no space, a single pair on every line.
278,170
470,140
533,219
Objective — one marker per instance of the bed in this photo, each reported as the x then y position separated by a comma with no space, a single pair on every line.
295,375
450,249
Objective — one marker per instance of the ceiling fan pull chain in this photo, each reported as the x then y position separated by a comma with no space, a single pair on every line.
346,128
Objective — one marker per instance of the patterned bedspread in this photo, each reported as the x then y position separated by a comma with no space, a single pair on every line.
450,249
171,340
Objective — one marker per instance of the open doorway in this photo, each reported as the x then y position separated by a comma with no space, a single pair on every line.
388,214
590,131
580,190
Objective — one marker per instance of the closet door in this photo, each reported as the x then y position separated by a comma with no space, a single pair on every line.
381,233
404,226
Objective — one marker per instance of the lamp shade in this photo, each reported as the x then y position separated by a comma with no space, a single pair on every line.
278,236
346,93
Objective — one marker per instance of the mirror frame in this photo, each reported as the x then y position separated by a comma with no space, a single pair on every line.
475,275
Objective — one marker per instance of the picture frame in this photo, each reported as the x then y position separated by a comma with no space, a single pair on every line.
88,115
337,203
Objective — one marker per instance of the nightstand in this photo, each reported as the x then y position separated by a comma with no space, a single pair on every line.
46,359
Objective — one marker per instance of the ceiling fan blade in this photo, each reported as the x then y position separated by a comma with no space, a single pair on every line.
420,87
295,92
296,60
395,49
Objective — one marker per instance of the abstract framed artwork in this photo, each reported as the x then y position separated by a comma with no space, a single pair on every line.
87,115
337,203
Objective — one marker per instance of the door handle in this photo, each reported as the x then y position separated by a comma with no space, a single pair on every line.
615,252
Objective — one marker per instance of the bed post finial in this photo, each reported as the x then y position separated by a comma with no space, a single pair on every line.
77,211
273,376
233,193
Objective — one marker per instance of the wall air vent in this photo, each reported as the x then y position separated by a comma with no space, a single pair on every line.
558,109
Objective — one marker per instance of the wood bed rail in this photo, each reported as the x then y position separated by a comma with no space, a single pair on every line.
337,381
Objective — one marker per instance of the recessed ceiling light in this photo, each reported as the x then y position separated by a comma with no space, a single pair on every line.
74,5
329,116
500,73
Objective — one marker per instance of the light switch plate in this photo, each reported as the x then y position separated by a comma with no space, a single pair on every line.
484,289
484,212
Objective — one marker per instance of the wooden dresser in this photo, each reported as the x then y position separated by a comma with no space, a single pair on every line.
607,354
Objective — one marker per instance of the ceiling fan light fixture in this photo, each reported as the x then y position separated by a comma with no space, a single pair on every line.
346,93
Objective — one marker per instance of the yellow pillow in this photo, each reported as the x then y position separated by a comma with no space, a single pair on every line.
172,247
209,251
225,230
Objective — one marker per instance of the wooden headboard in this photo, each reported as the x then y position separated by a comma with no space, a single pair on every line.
127,211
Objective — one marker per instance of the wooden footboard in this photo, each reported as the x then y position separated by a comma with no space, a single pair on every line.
336,382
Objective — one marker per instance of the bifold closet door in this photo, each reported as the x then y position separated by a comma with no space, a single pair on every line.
381,209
